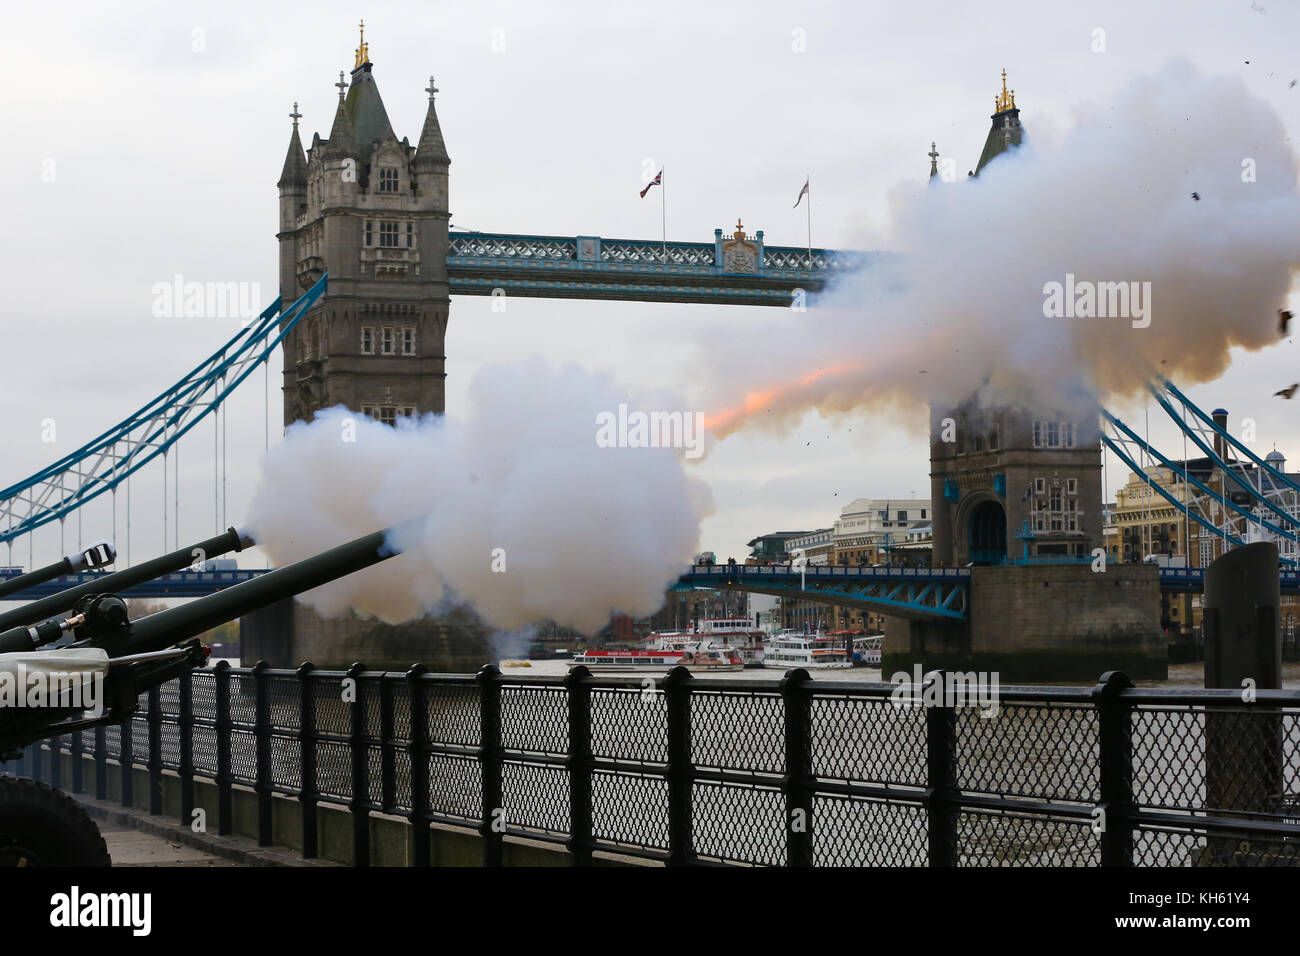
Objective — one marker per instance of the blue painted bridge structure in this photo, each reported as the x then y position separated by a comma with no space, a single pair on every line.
179,584
915,593
735,270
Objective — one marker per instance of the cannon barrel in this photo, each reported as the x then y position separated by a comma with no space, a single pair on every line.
162,630
231,539
94,557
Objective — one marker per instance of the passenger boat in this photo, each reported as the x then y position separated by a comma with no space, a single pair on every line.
739,633
662,652
795,648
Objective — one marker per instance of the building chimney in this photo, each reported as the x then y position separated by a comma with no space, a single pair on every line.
1221,419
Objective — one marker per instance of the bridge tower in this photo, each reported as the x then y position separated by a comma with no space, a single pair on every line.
372,211
1007,482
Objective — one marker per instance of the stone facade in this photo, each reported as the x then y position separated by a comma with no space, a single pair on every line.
372,212
1013,484
1006,482
1061,622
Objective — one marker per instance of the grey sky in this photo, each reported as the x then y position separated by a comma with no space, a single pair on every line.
165,159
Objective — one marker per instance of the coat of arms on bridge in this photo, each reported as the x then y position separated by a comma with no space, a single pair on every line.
739,254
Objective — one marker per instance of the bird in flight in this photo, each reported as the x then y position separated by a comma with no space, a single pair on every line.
1288,391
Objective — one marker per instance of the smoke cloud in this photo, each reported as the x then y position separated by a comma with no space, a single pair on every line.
957,307
521,513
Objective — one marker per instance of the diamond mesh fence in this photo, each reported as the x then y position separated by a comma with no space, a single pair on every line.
754,773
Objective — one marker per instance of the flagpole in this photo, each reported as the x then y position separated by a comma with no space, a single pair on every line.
808,180
663,210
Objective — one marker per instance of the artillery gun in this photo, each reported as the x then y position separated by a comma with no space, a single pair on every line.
95,654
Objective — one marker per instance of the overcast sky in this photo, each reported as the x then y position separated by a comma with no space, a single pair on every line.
144,141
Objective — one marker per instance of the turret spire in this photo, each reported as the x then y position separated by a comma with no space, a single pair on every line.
1006,101
432,151
294,172
343,138
934,161
1005,131
363,49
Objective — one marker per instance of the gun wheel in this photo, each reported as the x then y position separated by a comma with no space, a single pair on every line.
41,826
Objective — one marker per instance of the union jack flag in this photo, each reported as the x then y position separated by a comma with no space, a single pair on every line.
803,192
657,181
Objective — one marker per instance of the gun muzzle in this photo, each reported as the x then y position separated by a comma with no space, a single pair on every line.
232,539
96,556
176,624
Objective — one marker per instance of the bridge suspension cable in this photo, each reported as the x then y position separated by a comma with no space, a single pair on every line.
1241,496
101,464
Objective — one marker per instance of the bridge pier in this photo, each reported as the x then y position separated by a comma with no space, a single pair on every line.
289,632
1051,622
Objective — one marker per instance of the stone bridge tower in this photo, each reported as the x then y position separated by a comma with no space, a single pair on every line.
372,211
1007,482
1011,482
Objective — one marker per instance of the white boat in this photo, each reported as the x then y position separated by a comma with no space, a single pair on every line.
737,632
792,647
661,652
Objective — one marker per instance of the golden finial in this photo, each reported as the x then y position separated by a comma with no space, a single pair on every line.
740,230
1005,101
363,51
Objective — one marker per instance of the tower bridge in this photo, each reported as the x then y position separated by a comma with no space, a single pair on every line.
368,264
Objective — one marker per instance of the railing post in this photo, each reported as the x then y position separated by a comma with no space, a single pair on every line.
579,761
941,762
490,762
186,769
1115,758
101,763
127,760
153,717
359,805
307,749
78,771
796,694
262,754
225,823
56,764
35,753
387,772
680,772
418,750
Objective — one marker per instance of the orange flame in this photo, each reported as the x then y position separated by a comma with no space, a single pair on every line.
731,418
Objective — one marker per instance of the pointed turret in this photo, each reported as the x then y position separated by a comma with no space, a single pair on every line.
432,151
294,172
1006,131
934,162
365,108
342,143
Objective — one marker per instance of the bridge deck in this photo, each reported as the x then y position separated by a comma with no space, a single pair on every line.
590,267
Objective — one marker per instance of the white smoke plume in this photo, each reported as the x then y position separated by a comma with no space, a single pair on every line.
957,307
522,514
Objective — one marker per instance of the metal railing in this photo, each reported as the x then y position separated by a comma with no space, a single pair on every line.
687,770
